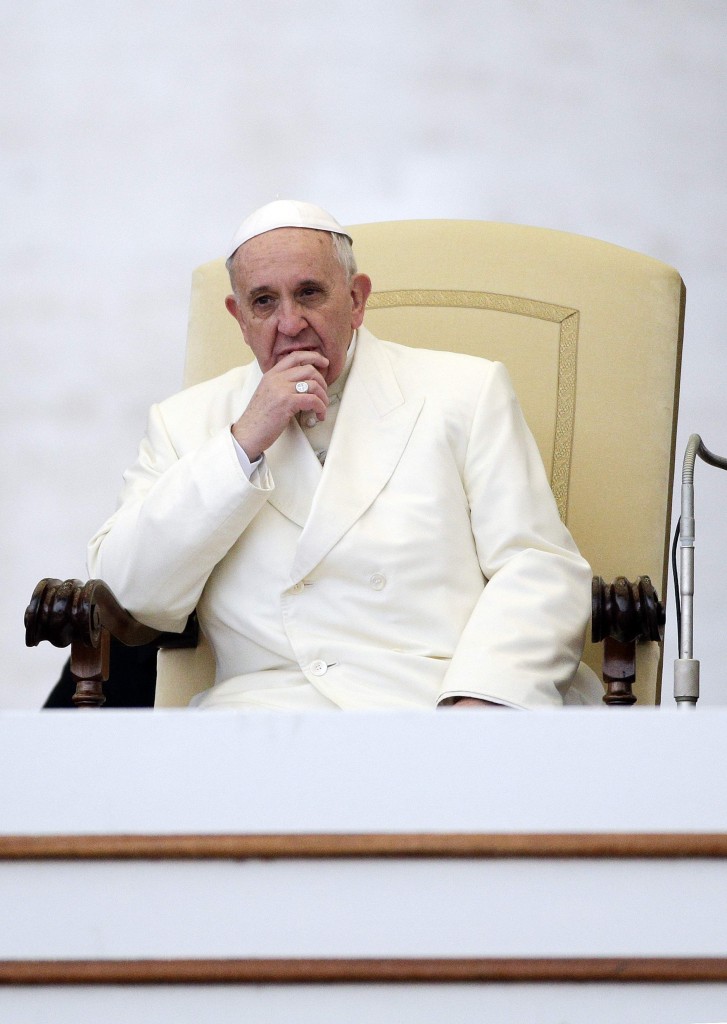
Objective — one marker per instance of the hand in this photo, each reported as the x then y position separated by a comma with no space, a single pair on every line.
276,401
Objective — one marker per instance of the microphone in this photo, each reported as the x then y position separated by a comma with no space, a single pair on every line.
686,667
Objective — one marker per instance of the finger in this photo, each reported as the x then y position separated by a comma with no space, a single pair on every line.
308,373
311,400
303,357
299,366
282,386
311,408
305,389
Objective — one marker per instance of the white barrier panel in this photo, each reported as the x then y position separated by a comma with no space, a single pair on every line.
474,847
441,771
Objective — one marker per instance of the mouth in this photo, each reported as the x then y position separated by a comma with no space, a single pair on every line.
294,348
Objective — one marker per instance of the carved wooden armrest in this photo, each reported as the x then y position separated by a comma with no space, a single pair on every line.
623,613
86,615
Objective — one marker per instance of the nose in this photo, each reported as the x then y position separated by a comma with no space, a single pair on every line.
291,320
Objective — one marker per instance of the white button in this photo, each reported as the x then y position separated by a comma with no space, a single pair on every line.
318,668
297,588
378,581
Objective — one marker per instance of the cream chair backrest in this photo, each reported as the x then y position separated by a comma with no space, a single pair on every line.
591,335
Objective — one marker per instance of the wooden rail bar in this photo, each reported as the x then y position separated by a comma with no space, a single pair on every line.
299,971
376,845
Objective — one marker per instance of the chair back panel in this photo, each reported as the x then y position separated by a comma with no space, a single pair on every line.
591,335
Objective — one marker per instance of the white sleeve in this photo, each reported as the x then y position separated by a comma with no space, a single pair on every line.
177,518
250,469
524,639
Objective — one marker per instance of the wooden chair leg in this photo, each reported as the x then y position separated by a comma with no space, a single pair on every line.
622,614
619,671
90,669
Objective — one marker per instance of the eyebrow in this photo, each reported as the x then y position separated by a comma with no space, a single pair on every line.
263,289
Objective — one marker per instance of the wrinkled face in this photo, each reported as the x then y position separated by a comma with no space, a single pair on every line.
291,293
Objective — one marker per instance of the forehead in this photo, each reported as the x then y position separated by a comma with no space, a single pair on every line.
284,256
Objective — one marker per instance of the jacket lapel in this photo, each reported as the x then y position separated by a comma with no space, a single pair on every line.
373,427
295,469
296,472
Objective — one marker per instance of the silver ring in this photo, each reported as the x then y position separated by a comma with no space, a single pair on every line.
301,387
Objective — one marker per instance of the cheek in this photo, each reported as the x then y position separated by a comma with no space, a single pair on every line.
356,317
259,340
337,361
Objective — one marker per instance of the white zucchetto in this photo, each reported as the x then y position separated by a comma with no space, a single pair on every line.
284,213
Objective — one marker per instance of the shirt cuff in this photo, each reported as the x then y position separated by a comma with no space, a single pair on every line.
250,469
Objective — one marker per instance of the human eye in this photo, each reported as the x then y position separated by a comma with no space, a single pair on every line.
310,291
262,303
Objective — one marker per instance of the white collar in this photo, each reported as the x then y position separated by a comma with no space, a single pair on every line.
340,382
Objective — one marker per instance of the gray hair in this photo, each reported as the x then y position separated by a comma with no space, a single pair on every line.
342,248
344,254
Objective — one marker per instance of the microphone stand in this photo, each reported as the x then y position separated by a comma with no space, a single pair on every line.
686,668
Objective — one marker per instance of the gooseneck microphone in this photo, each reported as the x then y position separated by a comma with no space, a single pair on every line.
686,667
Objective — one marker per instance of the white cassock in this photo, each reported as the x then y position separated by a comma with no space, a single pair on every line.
425,559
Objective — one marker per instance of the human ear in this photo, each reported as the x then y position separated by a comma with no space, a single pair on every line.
232,307
360,290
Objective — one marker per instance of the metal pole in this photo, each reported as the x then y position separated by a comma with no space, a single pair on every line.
686,667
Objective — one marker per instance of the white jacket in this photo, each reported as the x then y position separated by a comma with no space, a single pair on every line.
426,559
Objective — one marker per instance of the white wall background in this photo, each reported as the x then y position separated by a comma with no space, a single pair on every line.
135,136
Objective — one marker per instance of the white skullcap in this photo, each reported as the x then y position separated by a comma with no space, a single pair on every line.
284,213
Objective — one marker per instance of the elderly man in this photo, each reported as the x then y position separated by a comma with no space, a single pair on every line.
359,524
